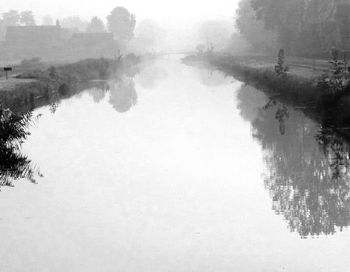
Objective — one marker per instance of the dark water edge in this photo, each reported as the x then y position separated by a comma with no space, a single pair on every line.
330,110
56,83
306,152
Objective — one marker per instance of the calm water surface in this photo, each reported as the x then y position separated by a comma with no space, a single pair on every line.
178,169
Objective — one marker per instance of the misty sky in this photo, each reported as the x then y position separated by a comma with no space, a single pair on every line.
166,12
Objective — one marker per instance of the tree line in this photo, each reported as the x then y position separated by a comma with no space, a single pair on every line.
121,22
300,27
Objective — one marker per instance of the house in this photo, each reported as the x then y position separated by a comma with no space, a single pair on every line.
37,36
55,43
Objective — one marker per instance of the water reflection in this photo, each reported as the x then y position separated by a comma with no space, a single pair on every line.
151,76
211,77
121,91
14,164
98,90
307,166
123,94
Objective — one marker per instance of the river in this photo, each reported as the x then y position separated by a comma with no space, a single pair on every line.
178,169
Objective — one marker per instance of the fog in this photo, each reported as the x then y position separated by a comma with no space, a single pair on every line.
180,22
176,136
167,13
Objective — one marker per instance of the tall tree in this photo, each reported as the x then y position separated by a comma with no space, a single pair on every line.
253,29
74,22
27,18
121,23
11,17
148,35
96,25
303,27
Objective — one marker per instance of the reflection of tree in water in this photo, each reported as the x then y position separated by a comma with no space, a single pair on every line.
13,164
99,90
281,115
150,76
123,94
212,78
308,170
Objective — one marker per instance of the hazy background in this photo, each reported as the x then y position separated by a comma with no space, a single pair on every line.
182,20
169,13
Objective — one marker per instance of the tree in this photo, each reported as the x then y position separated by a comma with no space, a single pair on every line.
27,18
14,130
302,27
12,17
96,25
216,33
148,36
121,23
253,29
74,22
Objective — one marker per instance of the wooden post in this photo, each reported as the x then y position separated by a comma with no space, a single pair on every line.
7,69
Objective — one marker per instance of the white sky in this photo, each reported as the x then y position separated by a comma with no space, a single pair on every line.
167,12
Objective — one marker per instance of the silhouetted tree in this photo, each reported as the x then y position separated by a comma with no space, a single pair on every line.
121,23
13,164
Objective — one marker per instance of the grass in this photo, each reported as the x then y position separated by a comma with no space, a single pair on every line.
35,88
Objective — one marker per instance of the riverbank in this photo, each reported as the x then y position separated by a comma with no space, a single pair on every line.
34,88
300,88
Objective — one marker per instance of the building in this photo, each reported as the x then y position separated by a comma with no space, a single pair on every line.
37,36
56,43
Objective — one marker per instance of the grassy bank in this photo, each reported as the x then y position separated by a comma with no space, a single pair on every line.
298,89
35,88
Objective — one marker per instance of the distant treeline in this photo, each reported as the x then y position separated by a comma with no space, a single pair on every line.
301,27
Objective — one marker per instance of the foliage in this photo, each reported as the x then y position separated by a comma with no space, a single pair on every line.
301,27
281,69
13,132
96,25
148,36
337,79
27,18
15,18
74,22
121,23
253,29
11,17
